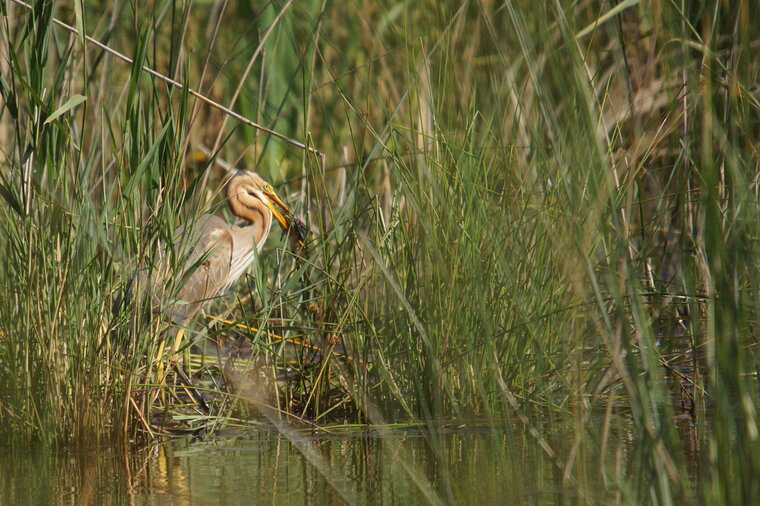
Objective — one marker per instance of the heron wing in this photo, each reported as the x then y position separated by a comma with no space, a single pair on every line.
206,269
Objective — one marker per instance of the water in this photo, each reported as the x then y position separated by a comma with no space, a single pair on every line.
399,466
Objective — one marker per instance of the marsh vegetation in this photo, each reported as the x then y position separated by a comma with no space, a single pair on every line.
532,214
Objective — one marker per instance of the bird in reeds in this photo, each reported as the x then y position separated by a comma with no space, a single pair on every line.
222,252
207,257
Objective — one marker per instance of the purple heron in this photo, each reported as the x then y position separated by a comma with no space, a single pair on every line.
212,254
221,252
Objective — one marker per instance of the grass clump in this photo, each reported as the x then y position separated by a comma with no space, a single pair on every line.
540,211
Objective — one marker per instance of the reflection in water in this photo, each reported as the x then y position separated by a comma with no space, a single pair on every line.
399,467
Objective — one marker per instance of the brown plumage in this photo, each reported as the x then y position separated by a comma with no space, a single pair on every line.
220,252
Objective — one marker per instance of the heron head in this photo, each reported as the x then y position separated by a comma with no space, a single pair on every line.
255,186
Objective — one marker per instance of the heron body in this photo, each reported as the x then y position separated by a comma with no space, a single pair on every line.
221,252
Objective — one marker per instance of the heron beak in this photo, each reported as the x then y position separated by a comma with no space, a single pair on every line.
285,222
272,199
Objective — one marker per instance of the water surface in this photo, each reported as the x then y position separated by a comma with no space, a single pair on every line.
398,466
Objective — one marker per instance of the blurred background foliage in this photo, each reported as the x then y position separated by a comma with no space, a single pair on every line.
537,210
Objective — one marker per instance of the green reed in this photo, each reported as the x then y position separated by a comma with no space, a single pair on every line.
541,213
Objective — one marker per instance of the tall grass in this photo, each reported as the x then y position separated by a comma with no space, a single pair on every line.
542,211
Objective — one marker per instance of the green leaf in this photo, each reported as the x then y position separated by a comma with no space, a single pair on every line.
79,18
12,199
606,17
72,102
9,97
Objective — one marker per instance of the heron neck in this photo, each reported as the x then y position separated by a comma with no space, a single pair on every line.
255,213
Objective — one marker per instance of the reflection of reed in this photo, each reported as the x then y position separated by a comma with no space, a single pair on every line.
154,472
289,466
689,435
168,476
79,476
87,477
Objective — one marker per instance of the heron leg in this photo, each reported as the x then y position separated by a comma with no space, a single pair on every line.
177,342
191,388
160,371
